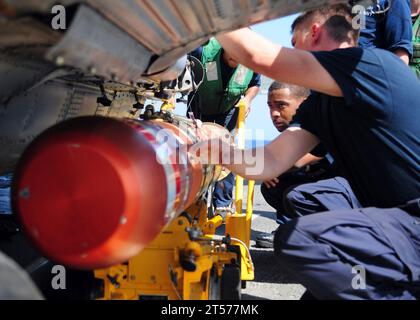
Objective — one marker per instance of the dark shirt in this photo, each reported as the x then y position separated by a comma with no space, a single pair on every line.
320,151
391,30
373,132
227,72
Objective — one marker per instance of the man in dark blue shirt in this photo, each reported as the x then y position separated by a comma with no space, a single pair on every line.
365,110
388,26
372,128
312,183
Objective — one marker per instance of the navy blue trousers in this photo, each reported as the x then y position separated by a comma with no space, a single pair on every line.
325,251
324,195
279,197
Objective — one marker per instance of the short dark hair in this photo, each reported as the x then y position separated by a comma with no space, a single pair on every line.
296,91
338,22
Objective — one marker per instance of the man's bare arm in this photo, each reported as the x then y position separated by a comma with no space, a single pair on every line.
272,160
292,66
403,55
307,160
250,95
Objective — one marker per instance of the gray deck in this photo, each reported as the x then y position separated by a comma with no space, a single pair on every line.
269,282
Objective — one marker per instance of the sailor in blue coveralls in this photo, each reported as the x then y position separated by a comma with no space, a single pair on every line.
365,109
388,26
283,101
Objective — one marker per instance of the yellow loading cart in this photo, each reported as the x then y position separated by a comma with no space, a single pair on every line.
189,260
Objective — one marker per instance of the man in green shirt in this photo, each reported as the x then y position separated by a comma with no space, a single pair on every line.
225,83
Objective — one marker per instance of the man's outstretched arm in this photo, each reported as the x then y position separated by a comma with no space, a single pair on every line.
263,163
283,64
403,55
250,95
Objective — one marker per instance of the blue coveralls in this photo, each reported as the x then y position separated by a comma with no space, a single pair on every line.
277,196
390,30
324,195
323,252
343,238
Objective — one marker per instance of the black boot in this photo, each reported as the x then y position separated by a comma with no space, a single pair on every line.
265,240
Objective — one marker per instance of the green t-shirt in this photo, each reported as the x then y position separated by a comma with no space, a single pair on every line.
415,61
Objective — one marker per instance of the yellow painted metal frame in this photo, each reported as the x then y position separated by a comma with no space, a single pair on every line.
157,271
238,225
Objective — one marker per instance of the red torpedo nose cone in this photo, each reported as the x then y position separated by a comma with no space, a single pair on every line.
84,199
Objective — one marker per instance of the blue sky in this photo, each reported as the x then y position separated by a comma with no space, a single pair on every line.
277,31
